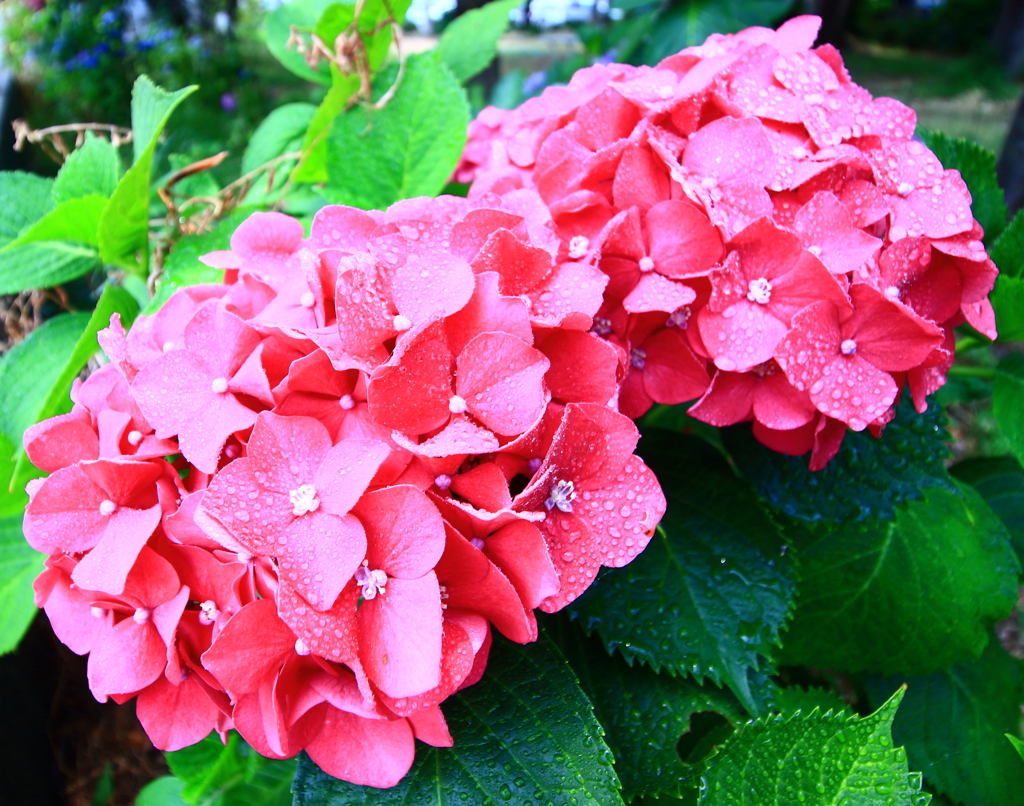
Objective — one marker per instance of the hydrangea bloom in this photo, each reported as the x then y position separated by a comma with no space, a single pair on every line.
750,205
290,504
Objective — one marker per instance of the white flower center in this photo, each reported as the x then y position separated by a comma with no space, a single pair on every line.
562,494
646,264
848,347
905,188
578,246
307,300
372,582
443,482
304,499
97,612
457,405
892,292
347,402
142,615
219,385
759,291
134,437
244,557
107,508
208,612
300,647
402,323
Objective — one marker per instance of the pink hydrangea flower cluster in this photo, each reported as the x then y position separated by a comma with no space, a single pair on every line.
776,244
295,503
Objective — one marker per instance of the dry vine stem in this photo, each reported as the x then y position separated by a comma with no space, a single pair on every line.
53,145
349,54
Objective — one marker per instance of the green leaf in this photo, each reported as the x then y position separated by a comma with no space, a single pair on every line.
214,774
644,715
815,760
1007,394
1008,295
24,199
32,367
953,724
1017,744
977,166
20,564
93,168
282,131
72,220
408,148
124,226
163,791
524,733
909,595
313,167
868,476
1000,481
304,15
712,590
114,299
377,37
796,699
44,264
182,267
470,42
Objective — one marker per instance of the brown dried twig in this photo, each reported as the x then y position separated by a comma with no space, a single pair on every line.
49,139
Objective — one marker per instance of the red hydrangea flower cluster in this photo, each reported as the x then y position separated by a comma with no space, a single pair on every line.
776,243
296,502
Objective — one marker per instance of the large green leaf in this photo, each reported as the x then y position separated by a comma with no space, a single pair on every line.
977,166
953,724
796,699
470,42
19,565
19,562
214,774
524,734
162,791
93,168
408,148
114,299
1000,481
24,199
711,592
1008,295
644,715
313,167
74,220
280,132
814,760
909,595
124,226
303,14
32,367
44,264
868,476
1007,394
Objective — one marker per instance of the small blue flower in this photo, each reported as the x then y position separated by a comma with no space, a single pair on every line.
109,18
89,61
101,48
145,44
164,35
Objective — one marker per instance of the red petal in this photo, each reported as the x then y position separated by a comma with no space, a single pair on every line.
683,242
412,391
404,531
583,367
367,752
176,716
251,648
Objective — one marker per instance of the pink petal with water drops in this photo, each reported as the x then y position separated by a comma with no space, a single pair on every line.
569,298
656,293
61,441
939,211
400,636
285,452
728,400
583,367
500,377
742,336
251,648
404,531
853,390
520,266
488,311
412,392
340,227
825,227
460,437
887,334
519,550
330,634
434,286
682,240
106,567
318,553
810,345
366,752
